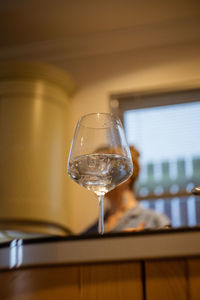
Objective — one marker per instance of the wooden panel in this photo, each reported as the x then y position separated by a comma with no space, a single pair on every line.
50,283
194,278
111,281
166,280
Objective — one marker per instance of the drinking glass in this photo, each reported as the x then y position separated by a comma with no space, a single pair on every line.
99,158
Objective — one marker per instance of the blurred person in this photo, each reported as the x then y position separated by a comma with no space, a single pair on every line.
125,212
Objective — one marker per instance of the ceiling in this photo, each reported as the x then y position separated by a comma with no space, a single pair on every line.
76,23
29,21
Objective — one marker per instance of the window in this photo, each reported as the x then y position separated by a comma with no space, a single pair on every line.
165,128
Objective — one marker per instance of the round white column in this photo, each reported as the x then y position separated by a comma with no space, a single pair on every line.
34,108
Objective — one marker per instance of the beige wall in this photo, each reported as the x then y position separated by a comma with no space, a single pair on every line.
100,76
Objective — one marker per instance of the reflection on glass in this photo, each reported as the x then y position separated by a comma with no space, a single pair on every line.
16,254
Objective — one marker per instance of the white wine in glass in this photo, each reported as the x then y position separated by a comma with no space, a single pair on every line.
99,158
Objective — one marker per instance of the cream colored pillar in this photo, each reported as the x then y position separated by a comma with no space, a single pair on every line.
33,122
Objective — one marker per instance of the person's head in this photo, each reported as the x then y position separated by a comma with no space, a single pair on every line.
136,167
128,184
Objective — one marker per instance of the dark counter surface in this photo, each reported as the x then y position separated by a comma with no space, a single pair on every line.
145,244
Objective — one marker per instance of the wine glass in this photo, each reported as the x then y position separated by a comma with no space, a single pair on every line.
99,158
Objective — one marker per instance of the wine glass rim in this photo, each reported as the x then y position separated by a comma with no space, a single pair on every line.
100,114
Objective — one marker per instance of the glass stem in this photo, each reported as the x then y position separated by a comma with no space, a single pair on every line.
101,215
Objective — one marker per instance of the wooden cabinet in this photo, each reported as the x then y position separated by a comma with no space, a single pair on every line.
166,279
93,281
174,279
163,265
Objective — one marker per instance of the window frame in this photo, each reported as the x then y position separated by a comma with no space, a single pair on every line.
119,103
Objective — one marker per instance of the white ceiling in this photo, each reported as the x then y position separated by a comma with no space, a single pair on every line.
85,27
28,21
